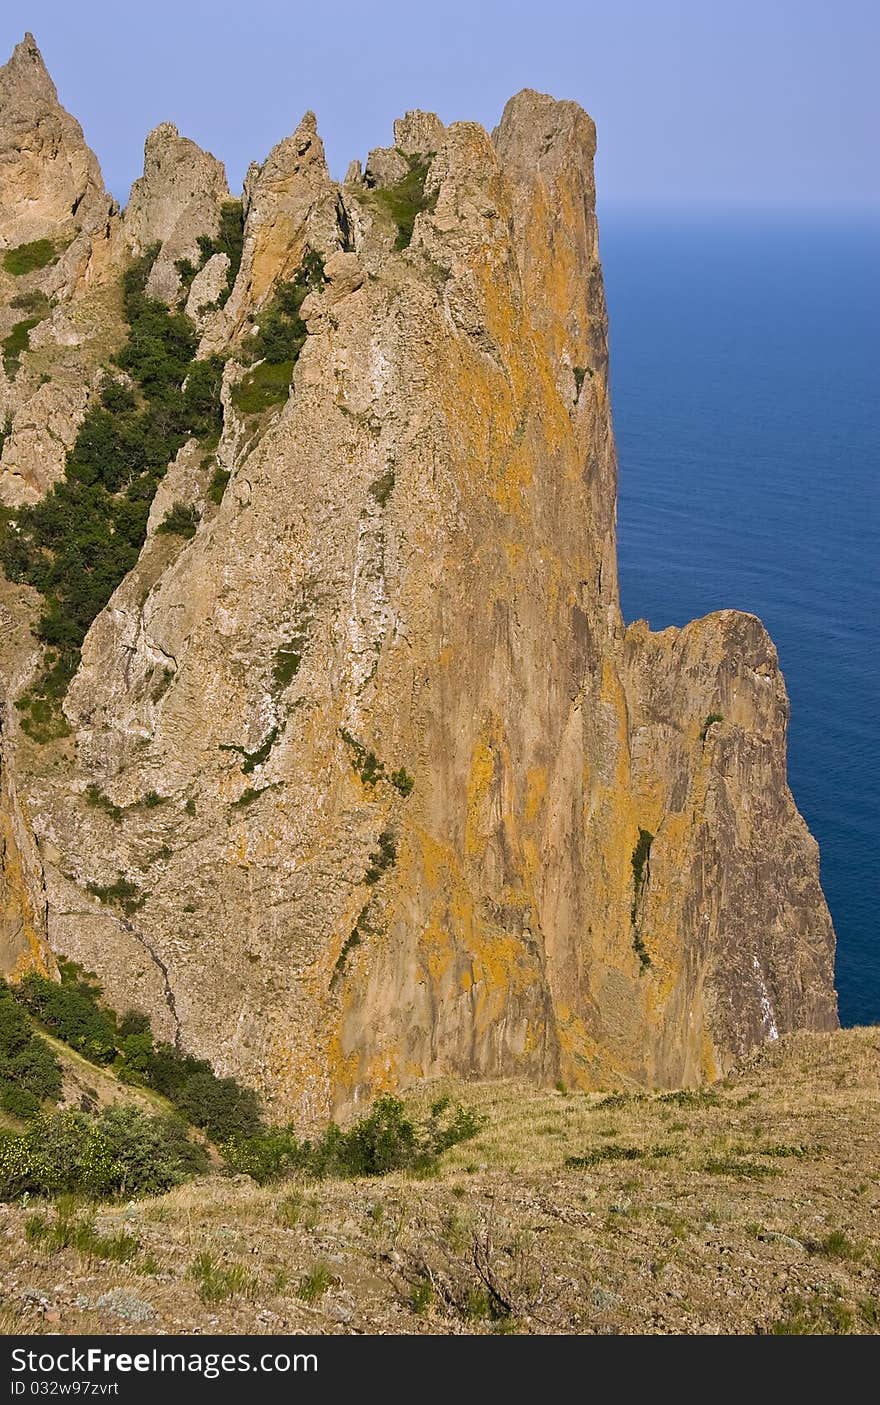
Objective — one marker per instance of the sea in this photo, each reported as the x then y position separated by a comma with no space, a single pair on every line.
745,371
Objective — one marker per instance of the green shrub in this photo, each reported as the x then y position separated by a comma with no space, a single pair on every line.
353,939
281,331
77,544
640,855
402,782
35,1070
95,797
17,343
247,797
382,488
710,720
221,1106
40,705
15,1027
252,759
121,892
386,1140
217,486
280,337
228,240
406,198
21,1102
121,1151
266,1156
35,303
605,1153
70,1010
181,520
421,1296
27,258
384,858
365,762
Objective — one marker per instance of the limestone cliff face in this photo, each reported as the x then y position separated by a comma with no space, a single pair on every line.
49,178
50,190
177,199
398,793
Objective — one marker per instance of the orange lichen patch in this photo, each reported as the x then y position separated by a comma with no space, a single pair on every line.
36,957
279,248
343,1067
436,951
514,551
237,850
501,964
710,1067
479,821
22,948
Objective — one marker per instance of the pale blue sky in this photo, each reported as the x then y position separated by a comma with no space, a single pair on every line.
698,102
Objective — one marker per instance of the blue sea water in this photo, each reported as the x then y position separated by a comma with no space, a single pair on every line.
744,369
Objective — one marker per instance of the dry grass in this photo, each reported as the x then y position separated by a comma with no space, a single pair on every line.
753,1208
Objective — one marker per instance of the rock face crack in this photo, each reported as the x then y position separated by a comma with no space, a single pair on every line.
163,970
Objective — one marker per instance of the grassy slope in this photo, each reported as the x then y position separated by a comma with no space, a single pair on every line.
90,1085
734,1212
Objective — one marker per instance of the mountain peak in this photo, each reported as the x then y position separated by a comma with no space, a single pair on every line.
48,175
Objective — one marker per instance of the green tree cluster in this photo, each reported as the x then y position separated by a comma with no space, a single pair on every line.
120,1151
84,536
29,1071
73,1011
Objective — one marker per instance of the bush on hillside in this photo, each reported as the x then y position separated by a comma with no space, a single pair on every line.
29,1071
122,1151
72,1010
386,1140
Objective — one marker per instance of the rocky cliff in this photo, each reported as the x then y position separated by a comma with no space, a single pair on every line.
360,778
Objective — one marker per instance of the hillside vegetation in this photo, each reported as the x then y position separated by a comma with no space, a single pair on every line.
750,1207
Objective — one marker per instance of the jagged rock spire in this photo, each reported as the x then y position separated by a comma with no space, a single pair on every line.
175,202
50,180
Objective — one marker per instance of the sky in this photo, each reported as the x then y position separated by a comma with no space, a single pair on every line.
698,102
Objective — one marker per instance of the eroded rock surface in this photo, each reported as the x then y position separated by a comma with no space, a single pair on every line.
398,793
176,200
